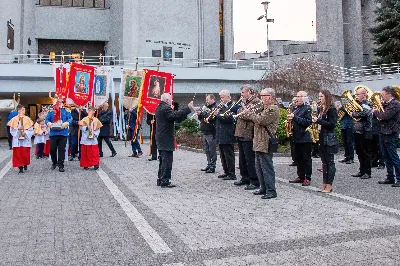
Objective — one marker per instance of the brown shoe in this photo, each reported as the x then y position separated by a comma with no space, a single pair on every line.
328,189
306,183
297,180
323,187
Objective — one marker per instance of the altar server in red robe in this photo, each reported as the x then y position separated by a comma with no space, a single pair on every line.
90,127
21,129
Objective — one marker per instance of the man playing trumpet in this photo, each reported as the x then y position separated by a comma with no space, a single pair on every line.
390,129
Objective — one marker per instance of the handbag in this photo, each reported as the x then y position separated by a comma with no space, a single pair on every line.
273,142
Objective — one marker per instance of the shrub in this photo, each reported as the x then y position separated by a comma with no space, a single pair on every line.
189,126
281,133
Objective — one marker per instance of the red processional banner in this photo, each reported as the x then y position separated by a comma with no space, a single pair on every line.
61,76
154,84
80,84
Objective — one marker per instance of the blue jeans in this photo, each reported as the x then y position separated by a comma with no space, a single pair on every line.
265,172
390,156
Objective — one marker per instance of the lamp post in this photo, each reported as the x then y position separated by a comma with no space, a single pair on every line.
265,4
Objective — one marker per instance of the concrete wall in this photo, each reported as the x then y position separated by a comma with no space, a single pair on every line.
10,9
368,8
228,29
210,29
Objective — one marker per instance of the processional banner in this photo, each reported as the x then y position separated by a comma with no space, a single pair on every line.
80,84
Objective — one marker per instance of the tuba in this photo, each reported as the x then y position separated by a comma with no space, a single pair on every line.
350,104
313,129
397,88
22,134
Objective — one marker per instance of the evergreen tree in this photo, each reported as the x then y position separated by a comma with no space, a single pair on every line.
387,32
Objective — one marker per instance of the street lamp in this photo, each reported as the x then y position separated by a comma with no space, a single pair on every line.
265,4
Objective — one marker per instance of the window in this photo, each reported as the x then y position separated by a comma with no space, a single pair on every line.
10,36
74,3
156,53
178,54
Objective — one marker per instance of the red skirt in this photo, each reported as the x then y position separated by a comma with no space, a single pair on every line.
46,150
89,155
21,156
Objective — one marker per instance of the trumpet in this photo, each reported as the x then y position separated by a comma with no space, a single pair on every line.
211,115
376,100
233,105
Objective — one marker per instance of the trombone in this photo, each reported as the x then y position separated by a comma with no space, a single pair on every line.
233,105
211,116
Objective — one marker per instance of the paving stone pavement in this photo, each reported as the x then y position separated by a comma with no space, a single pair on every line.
118,216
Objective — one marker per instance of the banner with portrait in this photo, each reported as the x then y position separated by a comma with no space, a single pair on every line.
131,85
101,86
80,84
61,73
155,83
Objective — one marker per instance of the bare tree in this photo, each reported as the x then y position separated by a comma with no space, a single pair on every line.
306,74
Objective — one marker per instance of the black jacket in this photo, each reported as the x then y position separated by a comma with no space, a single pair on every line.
75,120
328,122
105,118
390,119
165,119
225,127
364,125
301,120
207,128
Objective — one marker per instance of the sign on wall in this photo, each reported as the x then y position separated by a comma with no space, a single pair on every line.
10,35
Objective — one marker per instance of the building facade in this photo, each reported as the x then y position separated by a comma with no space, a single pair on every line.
190,29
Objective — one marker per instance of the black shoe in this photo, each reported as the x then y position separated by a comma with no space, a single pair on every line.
70,158
344,160
350,161
113,154
251,187
205,169
53,166
101,156
386,181
358,175
61,169
25,167
167,186
315,156
96,167
37,157
86,168
158,182
230,177
269,196
381,166
21,170
293,164
258,192
210,171
373,165
365,176
222,176
241,183
397,184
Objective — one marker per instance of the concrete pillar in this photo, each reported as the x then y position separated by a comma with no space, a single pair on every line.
228,29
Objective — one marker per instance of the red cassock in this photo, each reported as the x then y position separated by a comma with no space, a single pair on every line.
21,156
46,149
89,155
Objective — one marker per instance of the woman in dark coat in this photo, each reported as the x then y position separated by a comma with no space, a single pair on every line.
327,119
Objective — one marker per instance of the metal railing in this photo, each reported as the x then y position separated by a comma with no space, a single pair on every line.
142,61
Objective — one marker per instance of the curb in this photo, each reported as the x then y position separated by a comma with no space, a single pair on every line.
278,154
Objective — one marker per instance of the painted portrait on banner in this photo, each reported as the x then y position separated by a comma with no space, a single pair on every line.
132,83
81,82
156,88
100,83
101,86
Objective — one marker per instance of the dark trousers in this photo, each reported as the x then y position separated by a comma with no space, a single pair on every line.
73,140
134,143
266,172
153,147
247,162
165,167
303,160
210,149
40,148
375,151
328,164
108,142
362,149
315,149
9,137
292,150
348,143
58,143
227,155
390,156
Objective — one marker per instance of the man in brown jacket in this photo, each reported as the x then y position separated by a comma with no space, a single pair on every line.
268,118
244,133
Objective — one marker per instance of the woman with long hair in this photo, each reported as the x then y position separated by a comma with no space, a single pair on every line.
327,119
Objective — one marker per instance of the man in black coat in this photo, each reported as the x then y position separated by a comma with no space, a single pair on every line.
301,119
105,117
77,114
165,119
151,121
225,136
